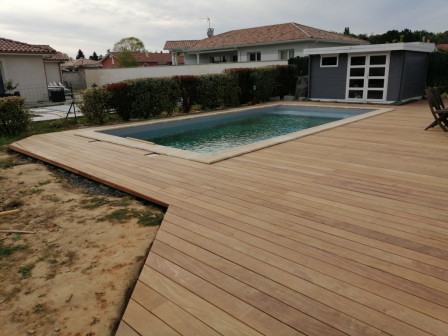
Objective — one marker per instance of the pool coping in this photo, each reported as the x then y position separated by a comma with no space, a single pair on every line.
210,158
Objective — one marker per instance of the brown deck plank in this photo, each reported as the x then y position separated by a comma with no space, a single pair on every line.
341,232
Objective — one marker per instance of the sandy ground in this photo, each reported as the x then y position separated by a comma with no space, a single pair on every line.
72,275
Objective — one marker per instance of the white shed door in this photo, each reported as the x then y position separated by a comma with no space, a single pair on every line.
367,77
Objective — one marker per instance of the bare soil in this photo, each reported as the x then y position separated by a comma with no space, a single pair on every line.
73,274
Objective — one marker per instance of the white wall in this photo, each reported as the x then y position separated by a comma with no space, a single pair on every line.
107,76
29,73
53,72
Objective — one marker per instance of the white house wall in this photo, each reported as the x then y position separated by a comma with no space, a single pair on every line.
107,76
53,72
268,52
29,73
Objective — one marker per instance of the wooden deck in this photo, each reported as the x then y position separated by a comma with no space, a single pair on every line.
341,232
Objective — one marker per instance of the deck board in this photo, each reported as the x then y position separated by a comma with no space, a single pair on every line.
343,232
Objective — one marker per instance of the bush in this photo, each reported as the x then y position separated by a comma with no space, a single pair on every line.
438,71
301,64
217,90
14,117
119,99
94,105
188,86
139,92
265,80
244,82
286,80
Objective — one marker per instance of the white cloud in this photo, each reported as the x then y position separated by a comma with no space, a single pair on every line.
95,25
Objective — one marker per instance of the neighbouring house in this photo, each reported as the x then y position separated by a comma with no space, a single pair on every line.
79,64
53,68
443,48
29,66
267,43
379,73
176,48
144,59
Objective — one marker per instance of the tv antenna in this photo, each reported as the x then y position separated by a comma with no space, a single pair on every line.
207,19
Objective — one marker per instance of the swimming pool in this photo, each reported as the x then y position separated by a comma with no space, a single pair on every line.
211,137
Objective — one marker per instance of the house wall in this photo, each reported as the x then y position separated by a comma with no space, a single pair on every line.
107,76
53,72
268,52
29,73
395,75
328,83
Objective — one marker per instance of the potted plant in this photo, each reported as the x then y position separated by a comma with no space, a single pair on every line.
10,87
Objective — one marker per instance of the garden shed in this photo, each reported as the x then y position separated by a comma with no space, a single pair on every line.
379,73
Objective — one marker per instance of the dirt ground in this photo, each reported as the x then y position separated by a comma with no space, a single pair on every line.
73,273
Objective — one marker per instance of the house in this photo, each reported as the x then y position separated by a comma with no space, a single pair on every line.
144,59
81,63
379,73
176,48
29,66
443,48
53,68
267,43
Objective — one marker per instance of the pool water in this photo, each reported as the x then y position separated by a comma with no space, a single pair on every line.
232,134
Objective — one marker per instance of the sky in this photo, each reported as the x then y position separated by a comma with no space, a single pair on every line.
96,25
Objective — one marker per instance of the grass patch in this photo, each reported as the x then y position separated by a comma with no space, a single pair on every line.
94,202
118,215
149,218
25,271
11,162
7,250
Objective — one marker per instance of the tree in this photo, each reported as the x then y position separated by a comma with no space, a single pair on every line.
94,57
126,59
131,44
80,54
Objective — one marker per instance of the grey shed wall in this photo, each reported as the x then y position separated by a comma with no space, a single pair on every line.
328,83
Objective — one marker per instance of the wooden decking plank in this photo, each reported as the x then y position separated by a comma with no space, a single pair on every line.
341,268
125,330
263,211
214,317
315,249
145,323
335,240
295,282
312,317
284,259
184,323
252,316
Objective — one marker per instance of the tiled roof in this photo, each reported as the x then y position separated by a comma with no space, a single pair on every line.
169,45
148,57
442,47
58,57
268,34
14,47
80,62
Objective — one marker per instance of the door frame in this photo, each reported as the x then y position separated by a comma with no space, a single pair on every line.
366,77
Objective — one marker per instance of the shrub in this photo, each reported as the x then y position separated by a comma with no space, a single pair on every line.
265,81
95,104
438,71
244,82
217,90
120,100
139,92
166,94
301,64
14,117
286,80
188,86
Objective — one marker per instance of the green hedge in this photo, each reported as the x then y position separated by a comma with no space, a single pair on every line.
244,82
188,91
438,71
95,104
217,90
14,117
120,99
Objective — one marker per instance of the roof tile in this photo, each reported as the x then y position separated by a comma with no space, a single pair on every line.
274,33
14,47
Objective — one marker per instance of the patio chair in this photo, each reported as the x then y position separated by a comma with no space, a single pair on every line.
438,110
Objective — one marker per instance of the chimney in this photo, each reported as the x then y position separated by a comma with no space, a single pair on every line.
210,32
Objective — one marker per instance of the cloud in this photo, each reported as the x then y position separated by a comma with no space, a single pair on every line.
95,25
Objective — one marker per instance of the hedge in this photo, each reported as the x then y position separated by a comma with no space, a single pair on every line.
438,71
120,99
95,104
188,91
217,90
14,117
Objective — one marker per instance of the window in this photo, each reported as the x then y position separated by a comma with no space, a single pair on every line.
254,56
217,59
286,54
328,61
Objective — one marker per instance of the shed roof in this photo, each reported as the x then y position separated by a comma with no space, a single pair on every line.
410,46
270,34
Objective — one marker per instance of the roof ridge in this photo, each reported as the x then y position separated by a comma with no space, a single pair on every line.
299,28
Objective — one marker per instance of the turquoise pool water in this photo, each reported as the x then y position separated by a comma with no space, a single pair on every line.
238,133
216,132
